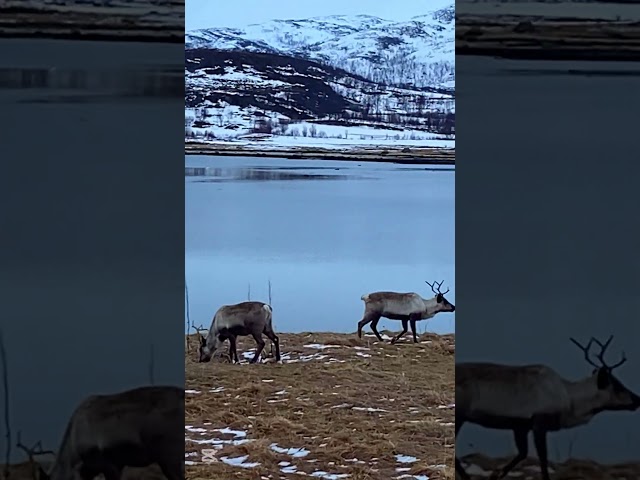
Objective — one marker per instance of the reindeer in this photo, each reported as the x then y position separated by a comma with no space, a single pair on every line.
106,433
231,321
407,307
536,398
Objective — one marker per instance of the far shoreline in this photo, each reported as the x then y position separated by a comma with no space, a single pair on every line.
400,155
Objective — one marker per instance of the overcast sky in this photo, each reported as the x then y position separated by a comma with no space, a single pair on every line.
205,13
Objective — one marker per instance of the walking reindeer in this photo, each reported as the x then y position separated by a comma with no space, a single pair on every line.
406,307
534,398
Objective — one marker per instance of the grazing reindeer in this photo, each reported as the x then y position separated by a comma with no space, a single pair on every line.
407,307
535,398
135,428
230,321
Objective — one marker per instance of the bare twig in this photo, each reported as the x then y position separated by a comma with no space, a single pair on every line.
7,419
269,291
249,293
152,364
186,291
32,452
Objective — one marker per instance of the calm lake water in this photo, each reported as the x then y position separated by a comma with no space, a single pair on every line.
323,232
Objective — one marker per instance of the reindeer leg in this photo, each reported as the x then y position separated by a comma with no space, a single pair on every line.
374,325
520,437
368,318
275,341
405,325
459,468
233,352
412,322
540,441
172,471
260,344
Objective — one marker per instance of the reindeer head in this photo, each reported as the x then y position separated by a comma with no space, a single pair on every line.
615,395
442,303
204,352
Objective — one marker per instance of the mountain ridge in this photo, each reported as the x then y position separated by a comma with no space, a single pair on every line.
335,80
418,52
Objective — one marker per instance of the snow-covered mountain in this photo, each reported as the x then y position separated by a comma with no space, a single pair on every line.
419,52
336,73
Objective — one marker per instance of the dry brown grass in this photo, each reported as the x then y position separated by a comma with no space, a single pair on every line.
319,400
25,471
572,469
412,155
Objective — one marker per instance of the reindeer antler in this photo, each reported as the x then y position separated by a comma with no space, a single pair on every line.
585,349
435,287
198,329
603,349
600,356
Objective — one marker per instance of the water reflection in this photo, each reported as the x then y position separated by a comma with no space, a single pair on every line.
258,174
74,84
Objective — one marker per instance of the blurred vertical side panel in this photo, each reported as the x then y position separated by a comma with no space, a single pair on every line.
92,243
546,240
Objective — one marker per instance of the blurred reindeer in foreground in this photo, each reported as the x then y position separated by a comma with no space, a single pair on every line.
107,433
535,398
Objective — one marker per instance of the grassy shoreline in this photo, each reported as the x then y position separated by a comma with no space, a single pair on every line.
409,156
99,23
337,404
539,38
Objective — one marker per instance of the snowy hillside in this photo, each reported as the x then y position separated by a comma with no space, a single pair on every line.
420,51
332,77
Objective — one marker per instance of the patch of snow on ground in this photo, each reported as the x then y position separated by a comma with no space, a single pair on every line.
294,452
368,409
384,336
238,436
239,462
405,459
235,433
195,429
329,476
